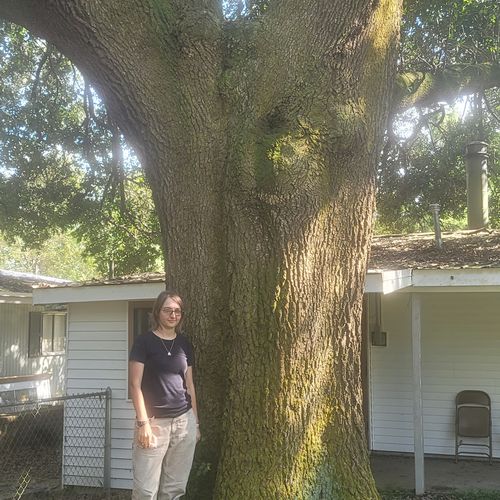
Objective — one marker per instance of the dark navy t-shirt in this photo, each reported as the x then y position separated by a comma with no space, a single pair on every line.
163,381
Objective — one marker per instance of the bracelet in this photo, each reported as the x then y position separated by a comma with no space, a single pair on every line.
141,423
197,425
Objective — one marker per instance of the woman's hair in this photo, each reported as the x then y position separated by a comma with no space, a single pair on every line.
160,300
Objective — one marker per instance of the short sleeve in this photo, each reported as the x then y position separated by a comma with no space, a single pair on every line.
189,353
138,351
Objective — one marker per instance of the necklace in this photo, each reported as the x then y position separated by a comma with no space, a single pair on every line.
169,351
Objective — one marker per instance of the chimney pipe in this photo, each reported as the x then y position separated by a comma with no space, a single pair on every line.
476,161
437,227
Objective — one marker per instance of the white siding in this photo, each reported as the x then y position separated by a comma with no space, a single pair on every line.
97,358
391,397
460,350
14,359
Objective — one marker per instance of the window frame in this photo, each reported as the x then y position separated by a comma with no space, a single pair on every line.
36,333
132,307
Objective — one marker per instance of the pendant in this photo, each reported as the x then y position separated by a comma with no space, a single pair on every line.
169,353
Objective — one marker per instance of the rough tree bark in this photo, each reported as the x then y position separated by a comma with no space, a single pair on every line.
260,139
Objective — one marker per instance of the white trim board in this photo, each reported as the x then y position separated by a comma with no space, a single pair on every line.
97,293
15,300
387,281
455,278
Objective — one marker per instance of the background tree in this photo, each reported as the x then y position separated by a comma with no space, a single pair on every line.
259,136
423,155
432,170
64,164
62,256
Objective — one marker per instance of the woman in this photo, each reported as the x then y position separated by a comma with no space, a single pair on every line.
164,398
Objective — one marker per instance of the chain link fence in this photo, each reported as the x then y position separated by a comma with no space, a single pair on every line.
49,443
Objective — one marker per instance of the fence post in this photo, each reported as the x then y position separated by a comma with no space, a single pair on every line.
107,444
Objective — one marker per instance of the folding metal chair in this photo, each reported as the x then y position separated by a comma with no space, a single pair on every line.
473,424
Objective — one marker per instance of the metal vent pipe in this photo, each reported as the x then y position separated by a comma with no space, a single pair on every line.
437,226
476,161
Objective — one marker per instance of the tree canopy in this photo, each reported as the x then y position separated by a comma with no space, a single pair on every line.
64,163
89,182
449,51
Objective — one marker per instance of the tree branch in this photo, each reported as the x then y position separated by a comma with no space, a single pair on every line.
115,51
490,109
41,63
425,89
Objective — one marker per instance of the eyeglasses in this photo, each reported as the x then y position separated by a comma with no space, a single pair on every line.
169,311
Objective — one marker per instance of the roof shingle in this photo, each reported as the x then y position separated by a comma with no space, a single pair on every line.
460,249
15,282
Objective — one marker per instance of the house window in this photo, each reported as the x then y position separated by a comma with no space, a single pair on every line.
139,319
47,333
54,330
18,396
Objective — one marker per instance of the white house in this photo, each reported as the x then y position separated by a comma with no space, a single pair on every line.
431,329
31,340
442,336
103,318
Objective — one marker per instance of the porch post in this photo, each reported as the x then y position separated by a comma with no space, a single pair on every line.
418,417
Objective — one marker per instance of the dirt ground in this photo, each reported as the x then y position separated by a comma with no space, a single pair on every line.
77,493
30,451
466,495
31,443
96,494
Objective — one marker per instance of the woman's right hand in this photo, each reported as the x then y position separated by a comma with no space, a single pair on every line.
145,436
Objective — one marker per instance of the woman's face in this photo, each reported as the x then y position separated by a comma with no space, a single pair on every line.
170,314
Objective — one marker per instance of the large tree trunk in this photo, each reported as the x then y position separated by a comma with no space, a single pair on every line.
300,196
260,140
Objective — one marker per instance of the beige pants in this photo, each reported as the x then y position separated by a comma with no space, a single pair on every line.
162,472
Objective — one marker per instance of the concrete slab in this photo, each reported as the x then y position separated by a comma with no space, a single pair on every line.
441,473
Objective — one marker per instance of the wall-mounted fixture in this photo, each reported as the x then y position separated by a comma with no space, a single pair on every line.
379,338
